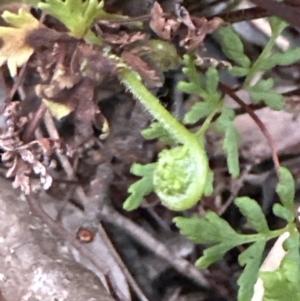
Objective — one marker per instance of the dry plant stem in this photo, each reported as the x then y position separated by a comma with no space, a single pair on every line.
48,119
37,209
18,81
34,123
237,185
259,123
282,10
122,266
50,125
181,265
132,19
230,17
243,15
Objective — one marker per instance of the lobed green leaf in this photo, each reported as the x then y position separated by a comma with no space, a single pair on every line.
76,15
277,25
140,188
232,46
263,85
286,188
239,71
209,229
213,254
253,212
225,119
251,259
209,188
157,131
283,212
231,147
285,280
198,111
195,85
212,81
273,100
286,58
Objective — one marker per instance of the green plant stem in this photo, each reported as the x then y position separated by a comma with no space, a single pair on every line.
270,235
263,56
207,122
182,135
197,157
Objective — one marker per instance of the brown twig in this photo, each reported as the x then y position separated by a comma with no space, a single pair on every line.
109,215
18,81
230,17
122,266
34,123
259,123
243,15
288,10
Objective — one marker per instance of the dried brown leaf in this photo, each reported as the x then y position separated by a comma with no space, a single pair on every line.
162,26
184,16
195,38
14,50
92,63
123,38
21,171
45,37
148,74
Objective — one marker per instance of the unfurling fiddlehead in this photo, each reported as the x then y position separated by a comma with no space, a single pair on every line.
180,175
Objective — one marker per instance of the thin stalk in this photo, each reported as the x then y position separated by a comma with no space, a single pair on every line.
263,56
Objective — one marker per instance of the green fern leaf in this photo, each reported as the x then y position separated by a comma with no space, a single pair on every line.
232,46
251,259
239,71
231,147
286,58
284,213
213,254
140,188
286,188
76,15
198,111
209,229
284,281
253,212
157,131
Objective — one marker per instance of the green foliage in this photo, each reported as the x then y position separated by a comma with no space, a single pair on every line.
255,217
286,189
263,90
179,178
207,88
216,232
157,131
140,188
286,192
224,124
76,15
250,259
281,59
285,281
233,47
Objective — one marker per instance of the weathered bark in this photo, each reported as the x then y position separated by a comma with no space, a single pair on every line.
35,264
